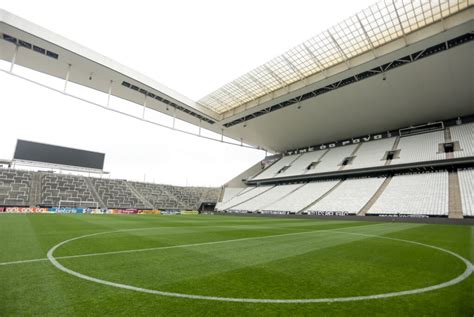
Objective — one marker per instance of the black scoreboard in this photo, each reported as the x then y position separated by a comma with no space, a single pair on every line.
53,154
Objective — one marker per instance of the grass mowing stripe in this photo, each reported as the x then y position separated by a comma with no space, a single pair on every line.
168,247
469,269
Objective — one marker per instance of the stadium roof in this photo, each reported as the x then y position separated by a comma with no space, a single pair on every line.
318,87
383,22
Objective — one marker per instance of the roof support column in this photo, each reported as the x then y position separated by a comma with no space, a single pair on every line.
144,108
14,59
174,118
110,93
67,77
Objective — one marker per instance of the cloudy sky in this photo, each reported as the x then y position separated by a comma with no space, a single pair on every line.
193,47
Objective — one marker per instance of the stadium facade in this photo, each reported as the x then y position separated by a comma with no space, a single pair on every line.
373,116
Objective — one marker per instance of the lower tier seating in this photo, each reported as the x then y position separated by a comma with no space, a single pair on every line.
422,194
466,184
419,194
349,197
14,187
57,188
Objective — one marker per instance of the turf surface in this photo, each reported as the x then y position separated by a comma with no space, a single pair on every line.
229,256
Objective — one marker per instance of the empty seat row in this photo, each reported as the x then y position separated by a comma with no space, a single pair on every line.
410,149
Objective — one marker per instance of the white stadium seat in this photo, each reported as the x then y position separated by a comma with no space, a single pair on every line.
415,194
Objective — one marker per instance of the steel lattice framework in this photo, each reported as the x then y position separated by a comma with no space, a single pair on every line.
383,22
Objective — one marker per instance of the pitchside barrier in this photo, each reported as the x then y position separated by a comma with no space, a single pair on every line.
72,210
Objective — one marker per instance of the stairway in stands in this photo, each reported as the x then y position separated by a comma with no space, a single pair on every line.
139,196
394,148
454,198
35,190
321,197
374,198
448,139
353,154
94,193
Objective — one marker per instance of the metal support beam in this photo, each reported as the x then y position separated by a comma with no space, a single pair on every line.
293,67
110,93
14,59
231,95
441,14
248,92
136,117
258,83
67,77
220,102
315,59
341,52
144,107
372,47
275,76
174,117
400,22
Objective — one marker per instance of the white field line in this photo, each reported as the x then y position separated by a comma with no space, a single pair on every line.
469,269
167,247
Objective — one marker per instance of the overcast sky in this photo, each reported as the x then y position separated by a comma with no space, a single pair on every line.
193,47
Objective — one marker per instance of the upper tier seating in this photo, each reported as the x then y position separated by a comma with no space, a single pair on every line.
416,194
411,149
333,159
242,197
466,184
371,154
465,135
57,187
300,166
419,148
272,170
116,194
266,198
14,187
350,196
302,197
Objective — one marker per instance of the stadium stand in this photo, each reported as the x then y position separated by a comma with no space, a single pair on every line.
465,135
414,194
176,197
301,198
420,148
14,187
466,183
371,154
349,197
247,194
277,167
266,198
407,149
332,161
304,164
57,187
116,194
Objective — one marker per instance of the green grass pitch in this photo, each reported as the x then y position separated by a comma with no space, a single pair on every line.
230,257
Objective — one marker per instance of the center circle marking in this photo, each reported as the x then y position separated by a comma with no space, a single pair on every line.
467,272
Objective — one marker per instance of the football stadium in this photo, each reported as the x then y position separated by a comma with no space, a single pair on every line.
363,203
